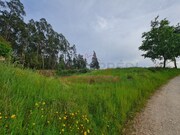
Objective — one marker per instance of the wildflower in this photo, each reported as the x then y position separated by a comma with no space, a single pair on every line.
85,133
64,125
0,113
57,112
13,116
43,103
36,104
63,130
59,118
6,117
0,117
65,118
34,124
88,131
72,114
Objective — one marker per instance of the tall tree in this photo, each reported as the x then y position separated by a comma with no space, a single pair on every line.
159,42
35,44
94,64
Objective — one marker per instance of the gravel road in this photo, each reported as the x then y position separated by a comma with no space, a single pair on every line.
161,116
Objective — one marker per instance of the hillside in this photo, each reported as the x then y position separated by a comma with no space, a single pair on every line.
99,102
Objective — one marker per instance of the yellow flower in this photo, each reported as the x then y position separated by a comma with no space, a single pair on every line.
65,118
43,103
0,117
77,122
88,131
63,130
85,133
13,116
72,114
0,113
64,125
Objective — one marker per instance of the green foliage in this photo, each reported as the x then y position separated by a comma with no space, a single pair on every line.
161,42
35,44
72,71
5,48
103,99
94,64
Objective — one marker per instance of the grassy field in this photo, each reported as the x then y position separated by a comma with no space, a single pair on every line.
97,103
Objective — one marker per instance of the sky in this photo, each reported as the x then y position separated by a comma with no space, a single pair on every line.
111,28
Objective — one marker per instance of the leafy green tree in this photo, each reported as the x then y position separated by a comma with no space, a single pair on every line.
94,64
160,42
176,44
35,44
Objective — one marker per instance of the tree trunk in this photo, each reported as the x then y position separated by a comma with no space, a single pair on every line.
164,63
175,63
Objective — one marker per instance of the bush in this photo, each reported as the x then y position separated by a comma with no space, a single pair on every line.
72,71
5,48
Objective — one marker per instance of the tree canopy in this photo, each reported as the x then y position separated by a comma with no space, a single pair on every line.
36,44
94,64
162,42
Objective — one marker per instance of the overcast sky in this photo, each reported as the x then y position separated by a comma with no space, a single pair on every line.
112,28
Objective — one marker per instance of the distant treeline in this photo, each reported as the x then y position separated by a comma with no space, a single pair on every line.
36,44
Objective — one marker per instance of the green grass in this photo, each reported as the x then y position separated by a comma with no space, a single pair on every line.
96,103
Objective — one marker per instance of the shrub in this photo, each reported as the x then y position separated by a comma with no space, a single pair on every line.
5,48
72,71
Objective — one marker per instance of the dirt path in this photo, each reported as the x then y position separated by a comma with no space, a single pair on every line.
161,116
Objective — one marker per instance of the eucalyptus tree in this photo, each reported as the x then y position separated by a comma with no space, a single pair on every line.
35,44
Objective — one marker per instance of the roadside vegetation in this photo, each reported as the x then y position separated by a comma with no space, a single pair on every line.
99,102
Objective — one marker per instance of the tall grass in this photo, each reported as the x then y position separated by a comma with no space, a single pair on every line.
97,103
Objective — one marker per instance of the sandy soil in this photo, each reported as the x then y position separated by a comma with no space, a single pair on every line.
161,116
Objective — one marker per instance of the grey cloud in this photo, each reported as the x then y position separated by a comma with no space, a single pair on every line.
112,28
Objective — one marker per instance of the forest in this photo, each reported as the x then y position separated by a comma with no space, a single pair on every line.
35,44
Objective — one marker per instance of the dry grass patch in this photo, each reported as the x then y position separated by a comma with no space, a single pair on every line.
90,79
